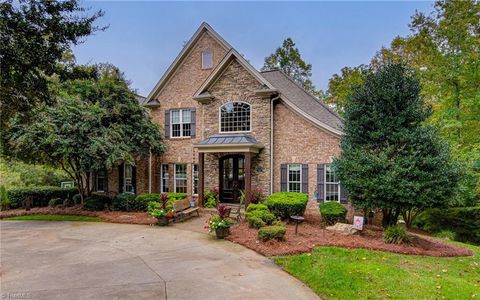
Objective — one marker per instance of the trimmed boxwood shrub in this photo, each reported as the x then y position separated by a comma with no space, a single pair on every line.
54,202
286,204
124,202
332,212
463,221
395,235
95,202
259,206
130,202
275,232
77,199
258,216
255,222
41,195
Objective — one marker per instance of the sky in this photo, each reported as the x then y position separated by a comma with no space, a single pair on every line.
143,38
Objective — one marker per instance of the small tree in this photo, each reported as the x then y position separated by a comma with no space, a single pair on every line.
288,59
94,124
390,159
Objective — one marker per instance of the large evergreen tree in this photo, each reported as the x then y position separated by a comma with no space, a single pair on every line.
288,59
94,124
390,159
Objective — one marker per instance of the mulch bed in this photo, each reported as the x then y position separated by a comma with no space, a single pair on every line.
311,234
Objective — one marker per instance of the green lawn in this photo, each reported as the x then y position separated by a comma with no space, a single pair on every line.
339,273
55,218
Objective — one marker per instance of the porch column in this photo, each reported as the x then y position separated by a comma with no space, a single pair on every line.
248,178
201,162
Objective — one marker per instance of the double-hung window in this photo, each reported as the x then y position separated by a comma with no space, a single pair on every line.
180,178
332,185
101,181
294,178
128,179
164,178
180,123
195,179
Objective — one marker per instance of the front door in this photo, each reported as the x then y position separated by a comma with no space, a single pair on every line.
232,178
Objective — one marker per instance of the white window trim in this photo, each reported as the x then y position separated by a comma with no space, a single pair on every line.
125,180
203,64
193,180
288,177
162,178
96,179
181,136
175,176
220,117
325,186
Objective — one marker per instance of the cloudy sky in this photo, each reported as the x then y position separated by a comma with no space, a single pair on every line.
143,38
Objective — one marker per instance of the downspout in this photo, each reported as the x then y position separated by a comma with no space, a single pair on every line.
150,173
271,141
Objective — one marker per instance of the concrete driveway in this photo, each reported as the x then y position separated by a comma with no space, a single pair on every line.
74,260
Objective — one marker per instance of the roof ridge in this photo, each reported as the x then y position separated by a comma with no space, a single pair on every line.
311,95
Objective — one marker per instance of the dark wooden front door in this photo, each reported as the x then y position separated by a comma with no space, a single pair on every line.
232,178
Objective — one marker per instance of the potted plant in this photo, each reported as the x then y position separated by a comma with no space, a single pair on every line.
160,211
219,223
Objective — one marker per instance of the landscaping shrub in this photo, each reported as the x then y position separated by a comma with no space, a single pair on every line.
54,202
124,202
95,202
275,232
259,206
395,235
285,204
176,196
332,212
463,221
68,202
255,222
77,199
4,200
446,234
41,195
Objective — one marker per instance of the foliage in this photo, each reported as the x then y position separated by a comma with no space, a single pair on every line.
55,202
4,199
160,213
257,195
41,195
274,232
446,234
253,206
94,124
332,212
255,222
390,159
217,222
286,204
259,217
77,199
211,198
16,174
34,37
95,202
176,196
125,202
395,235
152,205
287,58
68,202
61,218
222,211
339,273
463,221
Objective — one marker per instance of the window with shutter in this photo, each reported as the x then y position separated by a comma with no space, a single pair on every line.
180,123
332,185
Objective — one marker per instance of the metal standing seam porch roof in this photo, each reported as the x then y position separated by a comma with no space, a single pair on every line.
229,142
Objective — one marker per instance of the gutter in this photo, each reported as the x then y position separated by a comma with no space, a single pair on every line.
271,141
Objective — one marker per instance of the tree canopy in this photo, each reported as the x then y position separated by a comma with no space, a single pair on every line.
287,58
390,159
34,37
93,124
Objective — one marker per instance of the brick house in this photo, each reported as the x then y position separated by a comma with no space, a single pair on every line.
231,127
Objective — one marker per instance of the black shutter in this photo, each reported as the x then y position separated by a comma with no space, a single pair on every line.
167,124
120,178
193,116
321,182
134,179
343,195
283,177
106,180
304,178
94,181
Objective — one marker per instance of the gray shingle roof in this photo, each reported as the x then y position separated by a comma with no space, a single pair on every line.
229,139
302,99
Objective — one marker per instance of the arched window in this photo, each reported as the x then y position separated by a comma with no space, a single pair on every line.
235,117
207,59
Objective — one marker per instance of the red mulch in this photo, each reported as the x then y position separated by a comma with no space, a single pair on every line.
108,216
311,234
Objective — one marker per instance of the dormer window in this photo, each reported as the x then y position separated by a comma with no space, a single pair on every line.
235,117
207,59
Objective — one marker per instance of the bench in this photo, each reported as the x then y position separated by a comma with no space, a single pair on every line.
183,210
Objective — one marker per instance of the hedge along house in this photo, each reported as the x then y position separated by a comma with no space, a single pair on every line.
231,127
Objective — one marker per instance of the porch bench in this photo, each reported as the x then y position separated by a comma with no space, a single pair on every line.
183,210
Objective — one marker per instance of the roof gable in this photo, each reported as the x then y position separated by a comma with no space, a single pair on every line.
202,92
204,27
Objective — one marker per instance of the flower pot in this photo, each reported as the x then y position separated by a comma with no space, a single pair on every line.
222,232
163,221
192,203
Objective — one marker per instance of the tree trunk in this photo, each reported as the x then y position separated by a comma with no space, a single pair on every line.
390,217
